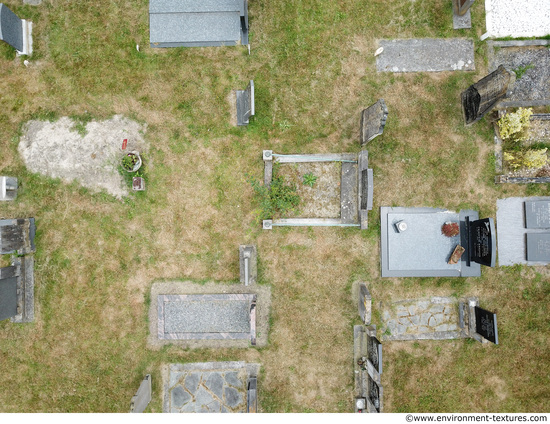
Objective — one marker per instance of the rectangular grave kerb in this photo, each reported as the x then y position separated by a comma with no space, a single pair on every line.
207,316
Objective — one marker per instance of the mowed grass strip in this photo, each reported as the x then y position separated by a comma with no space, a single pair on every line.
314,71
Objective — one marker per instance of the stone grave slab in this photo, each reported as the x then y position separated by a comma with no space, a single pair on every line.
208,316
462,18
248,264
174,23
17,236
141,399
486,324
245,104
210,387
365,304
8,293
512,221
373,121
533,88
538,247
426,55
8,188
482,96
537,214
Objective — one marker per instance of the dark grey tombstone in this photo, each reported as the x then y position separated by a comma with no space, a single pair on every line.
365,191
245,104
17,236
252,395
374,395
141,399
463,6
373,121
8,292
365,304
482,96
11,28
537,214
374,350
248,264
481,241
8,188
538,247
486,324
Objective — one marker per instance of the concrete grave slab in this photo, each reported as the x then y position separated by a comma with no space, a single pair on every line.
373,121
512,18
245,104
8,188
210,315
217,387
426,55
17,236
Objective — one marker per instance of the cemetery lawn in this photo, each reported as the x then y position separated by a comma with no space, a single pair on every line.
314,71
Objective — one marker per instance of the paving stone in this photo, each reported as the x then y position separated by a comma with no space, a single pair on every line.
202,397
442,327
386,315
422,304
192,381
188,407
424,318
415,319
452,327
432,321
422,329
175,378
224,410
439,318
214,406
232,397
179,397
412,309
401,329
402,311
174,410
437,308
214,383
232,378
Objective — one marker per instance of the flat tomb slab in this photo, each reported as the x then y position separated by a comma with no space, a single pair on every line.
421,246
207,316
537,214
426,55
538,247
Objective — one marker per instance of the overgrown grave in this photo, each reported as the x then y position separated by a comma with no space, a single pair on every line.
355,194
428,242
523,230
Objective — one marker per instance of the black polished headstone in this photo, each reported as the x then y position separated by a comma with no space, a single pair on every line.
480,97
482,241
8,293
374,351
537,214
486,324
538,247
11,28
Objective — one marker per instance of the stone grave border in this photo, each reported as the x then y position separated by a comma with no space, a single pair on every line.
364,376
364,192
186,288
491,44
500,178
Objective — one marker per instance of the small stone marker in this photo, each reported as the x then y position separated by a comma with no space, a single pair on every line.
538,247
245,104
138,184
537,214
248,261
252,395
464,6
8,292
365,304
482,96
8,188
373,121
141,399
482,241
17,236
461,14
14,31
486,324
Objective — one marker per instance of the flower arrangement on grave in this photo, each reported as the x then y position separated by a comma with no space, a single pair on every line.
513,126
450,229
131,162
457,253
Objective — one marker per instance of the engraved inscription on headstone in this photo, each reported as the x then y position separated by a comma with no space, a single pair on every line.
374,350
8,292
482,96
486,324
373,120
482,242
537,214
538,247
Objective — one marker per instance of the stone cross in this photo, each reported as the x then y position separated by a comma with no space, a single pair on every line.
373,120
14,31
482,96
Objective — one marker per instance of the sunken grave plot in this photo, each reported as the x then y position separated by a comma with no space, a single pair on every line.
209,315
210,387
198,23
427,242
530,61
523,230
340,194
91,157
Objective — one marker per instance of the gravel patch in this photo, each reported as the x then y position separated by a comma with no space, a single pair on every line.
512,18
57,150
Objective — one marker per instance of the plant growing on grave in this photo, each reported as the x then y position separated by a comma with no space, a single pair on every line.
276,200
513,125
129,161
309,179
520,70
528,159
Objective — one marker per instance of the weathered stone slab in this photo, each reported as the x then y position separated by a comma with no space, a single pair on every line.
141,399
373,121
365,304
538,247
248,264
348,193
537,214
17,236
245,104
426,55
8,292
8,188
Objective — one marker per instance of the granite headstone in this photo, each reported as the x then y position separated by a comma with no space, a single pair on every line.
482,241
8,188
486,324
537,214
8,292
11,28
538,247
